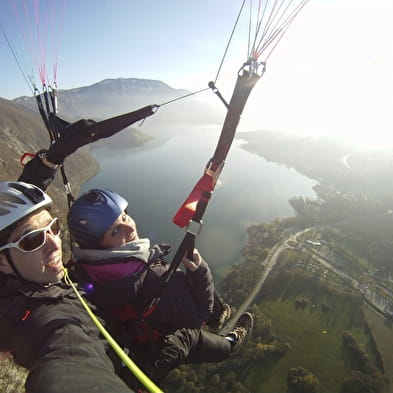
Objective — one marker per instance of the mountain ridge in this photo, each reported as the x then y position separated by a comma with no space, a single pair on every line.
111,97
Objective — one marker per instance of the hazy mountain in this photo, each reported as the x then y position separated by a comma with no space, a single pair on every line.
112,97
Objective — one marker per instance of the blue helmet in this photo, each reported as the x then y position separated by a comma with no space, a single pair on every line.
92,214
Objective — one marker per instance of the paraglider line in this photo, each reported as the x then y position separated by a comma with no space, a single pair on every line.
229,41
186,95
17,61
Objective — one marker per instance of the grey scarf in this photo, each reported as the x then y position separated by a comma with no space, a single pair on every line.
137,249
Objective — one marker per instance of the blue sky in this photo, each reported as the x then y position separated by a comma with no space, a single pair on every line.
166,40
330,75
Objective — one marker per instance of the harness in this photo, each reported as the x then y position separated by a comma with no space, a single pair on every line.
136,336
136,322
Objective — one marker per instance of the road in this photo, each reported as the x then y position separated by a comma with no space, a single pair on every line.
376,299
370,296
268,265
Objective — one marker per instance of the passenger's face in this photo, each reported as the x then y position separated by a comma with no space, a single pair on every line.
122,231
44,265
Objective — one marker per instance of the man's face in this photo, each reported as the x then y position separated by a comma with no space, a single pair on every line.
122,231
43,265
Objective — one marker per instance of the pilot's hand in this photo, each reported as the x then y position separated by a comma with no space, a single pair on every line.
193,264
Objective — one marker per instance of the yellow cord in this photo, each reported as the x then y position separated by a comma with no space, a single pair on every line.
139,374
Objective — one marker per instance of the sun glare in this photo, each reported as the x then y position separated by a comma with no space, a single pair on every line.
331,76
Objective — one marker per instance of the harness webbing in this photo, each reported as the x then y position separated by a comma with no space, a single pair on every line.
48,116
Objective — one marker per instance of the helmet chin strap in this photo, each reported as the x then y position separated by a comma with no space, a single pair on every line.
12,264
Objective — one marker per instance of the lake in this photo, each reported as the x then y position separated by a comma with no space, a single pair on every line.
157,178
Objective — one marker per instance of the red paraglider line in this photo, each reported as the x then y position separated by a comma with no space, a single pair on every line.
29,29
41,66
57,44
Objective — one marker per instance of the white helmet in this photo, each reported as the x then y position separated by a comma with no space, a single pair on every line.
18,199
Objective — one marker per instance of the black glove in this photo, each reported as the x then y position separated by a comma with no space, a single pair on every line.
71,138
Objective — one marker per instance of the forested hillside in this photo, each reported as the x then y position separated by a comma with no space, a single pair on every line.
23,131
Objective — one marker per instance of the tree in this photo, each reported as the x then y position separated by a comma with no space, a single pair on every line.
300,380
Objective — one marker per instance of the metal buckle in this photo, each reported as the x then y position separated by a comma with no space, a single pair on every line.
214,174
197,230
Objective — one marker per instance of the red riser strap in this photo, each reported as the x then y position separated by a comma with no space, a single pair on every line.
204,187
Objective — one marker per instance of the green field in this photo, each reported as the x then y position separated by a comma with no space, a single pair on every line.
314,333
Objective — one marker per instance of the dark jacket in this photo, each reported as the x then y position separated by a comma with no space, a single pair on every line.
49,333
186,302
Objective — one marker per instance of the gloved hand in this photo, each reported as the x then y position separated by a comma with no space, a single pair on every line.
71,138
194,263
